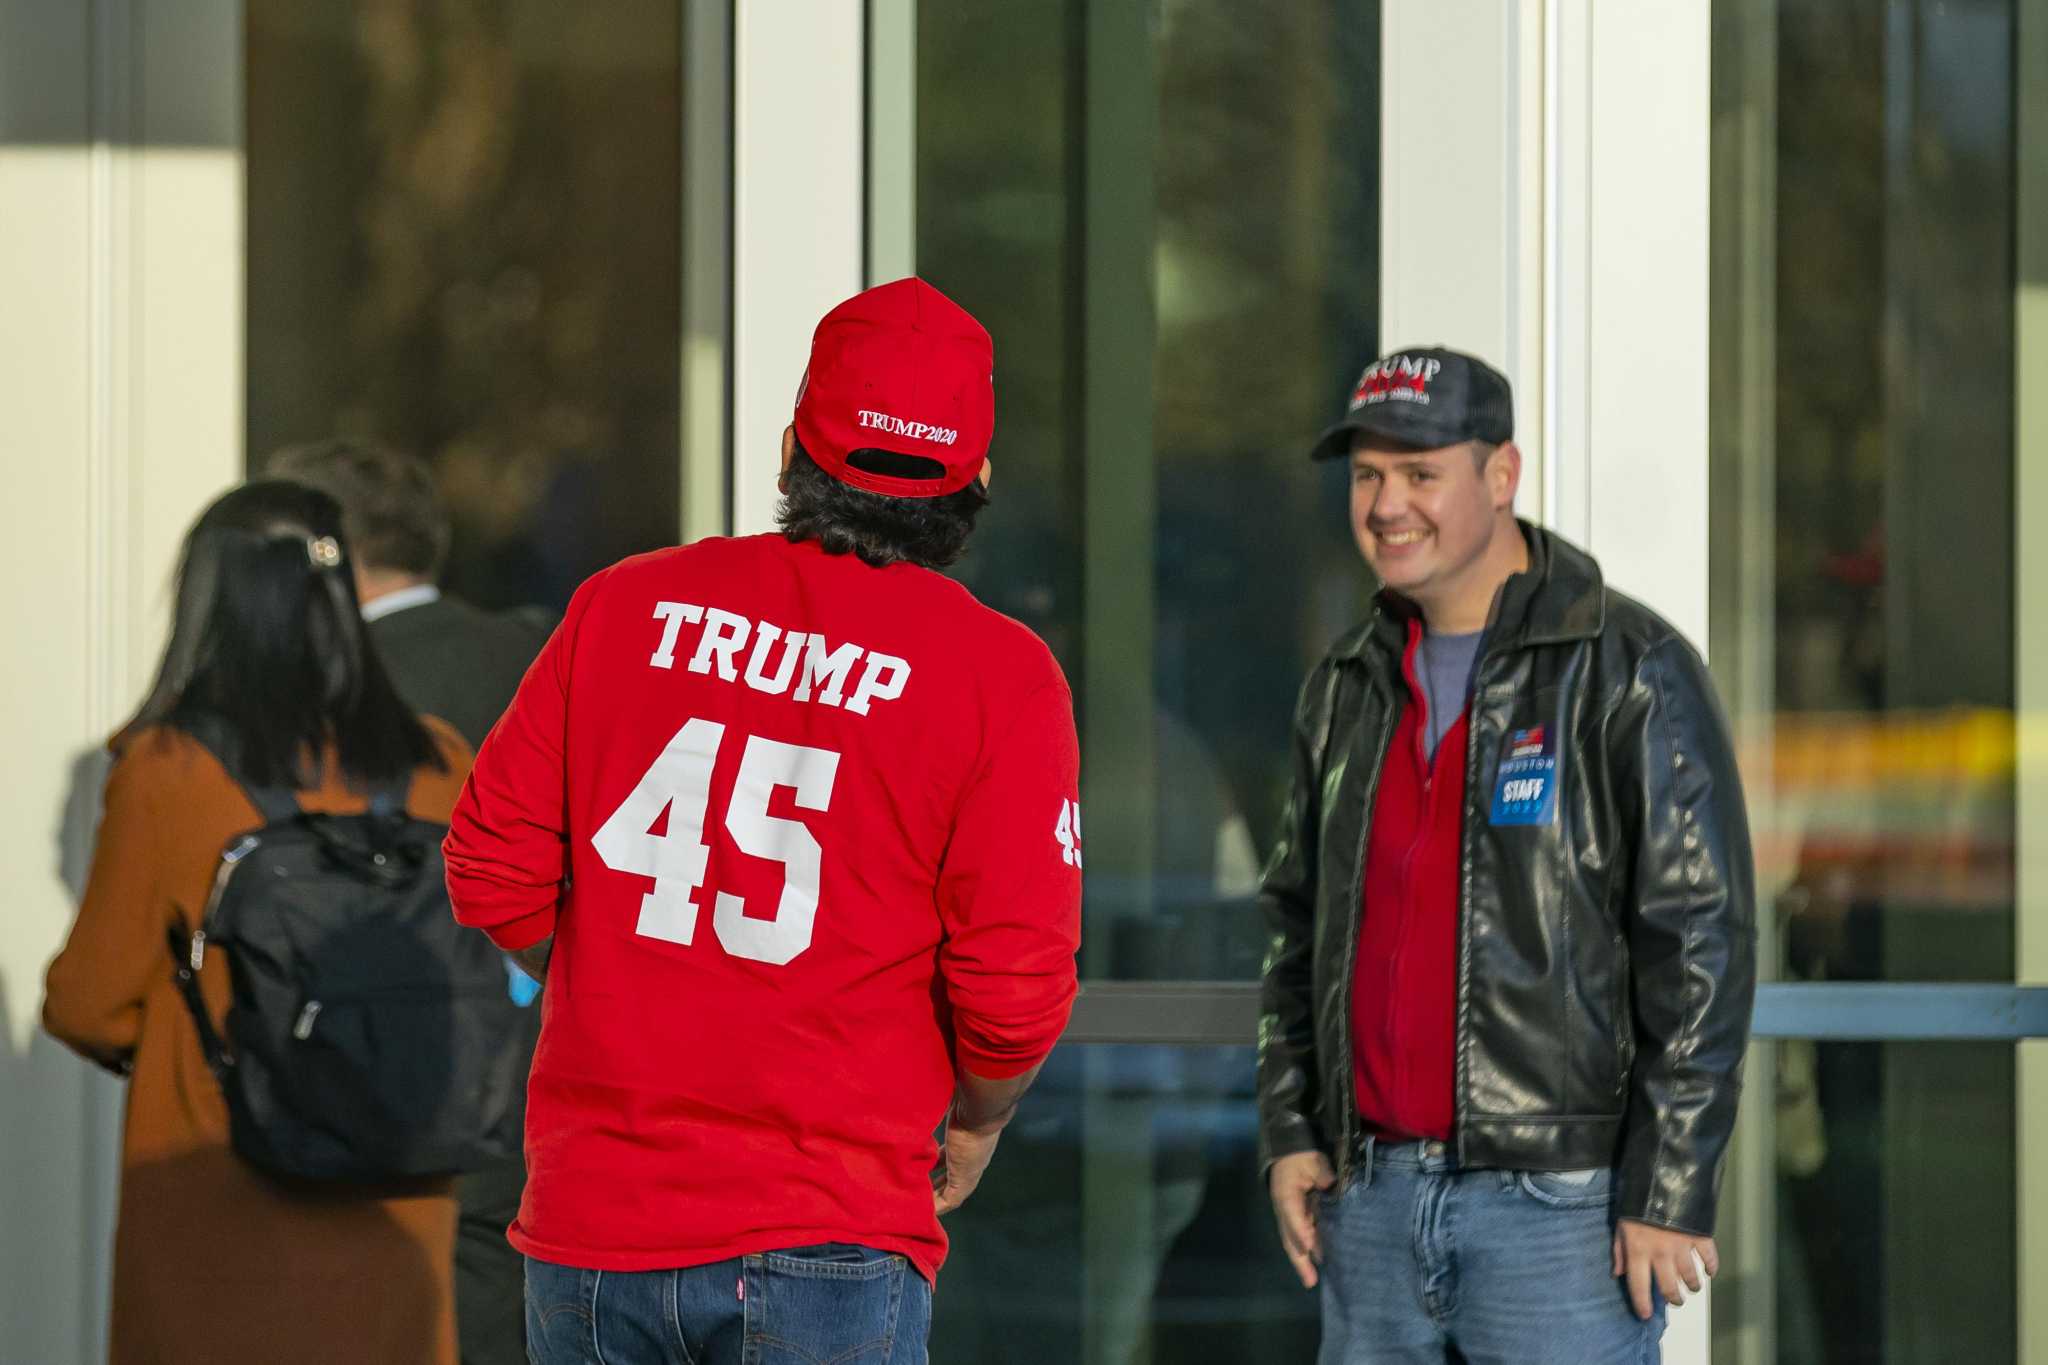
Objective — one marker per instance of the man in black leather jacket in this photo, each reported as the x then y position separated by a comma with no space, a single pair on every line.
1511,965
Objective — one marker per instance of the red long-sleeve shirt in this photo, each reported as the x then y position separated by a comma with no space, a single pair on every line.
805,833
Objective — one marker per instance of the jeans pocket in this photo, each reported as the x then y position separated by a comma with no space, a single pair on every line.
833,1260
835,1303
560,1314
1585,1189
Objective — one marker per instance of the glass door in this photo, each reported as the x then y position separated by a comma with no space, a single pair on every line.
466,239
1167,214
1876,602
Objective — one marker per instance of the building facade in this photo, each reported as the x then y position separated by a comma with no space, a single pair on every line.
1769,279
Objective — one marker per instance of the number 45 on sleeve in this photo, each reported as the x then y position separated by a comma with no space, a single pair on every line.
681,781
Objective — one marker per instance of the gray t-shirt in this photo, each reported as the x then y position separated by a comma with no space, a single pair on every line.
1446,680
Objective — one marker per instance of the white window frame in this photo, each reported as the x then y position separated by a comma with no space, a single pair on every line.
1544,205
121,415
798,214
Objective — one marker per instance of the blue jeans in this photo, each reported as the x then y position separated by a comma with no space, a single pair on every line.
1423,1262
846,1304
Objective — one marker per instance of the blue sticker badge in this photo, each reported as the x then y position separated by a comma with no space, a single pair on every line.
1525,792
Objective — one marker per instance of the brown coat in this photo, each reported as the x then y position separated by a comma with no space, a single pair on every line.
214,1262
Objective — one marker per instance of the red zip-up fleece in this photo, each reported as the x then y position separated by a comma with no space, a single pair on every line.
805,833
1404,991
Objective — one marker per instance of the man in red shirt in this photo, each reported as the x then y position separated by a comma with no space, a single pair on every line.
791,825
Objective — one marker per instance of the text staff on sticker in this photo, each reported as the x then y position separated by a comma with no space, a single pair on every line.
1525,791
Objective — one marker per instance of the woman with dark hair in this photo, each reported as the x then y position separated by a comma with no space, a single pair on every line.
270,681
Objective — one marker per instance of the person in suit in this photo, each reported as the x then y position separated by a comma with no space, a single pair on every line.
449,658
454,660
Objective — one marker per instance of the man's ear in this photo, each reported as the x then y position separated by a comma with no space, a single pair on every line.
1504,473
788,457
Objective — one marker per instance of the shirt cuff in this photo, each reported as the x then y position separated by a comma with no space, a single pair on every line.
524,932
994,1066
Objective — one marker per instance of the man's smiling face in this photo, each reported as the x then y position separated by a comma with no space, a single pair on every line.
1424,518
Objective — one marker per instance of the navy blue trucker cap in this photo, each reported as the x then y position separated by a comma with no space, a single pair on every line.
1429,397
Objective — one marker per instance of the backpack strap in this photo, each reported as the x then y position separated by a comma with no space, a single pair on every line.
276,804
218,1059
279,804
387,799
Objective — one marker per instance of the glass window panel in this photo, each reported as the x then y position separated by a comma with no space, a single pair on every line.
1172,233
1876,1190
1864,582
1123,1221
464,239
1864,587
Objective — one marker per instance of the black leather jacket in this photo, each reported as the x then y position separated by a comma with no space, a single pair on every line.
1606,959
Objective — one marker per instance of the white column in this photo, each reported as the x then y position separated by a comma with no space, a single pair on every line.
1544,204
1493,121
1644,363
892,140
2030,626
50,1108
798,168
120,415
707,258
1461,184
1629,324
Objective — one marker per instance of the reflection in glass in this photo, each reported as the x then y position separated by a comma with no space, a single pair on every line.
1123,1221
1864,635
1172,232
464,239
1892,1176
1864,586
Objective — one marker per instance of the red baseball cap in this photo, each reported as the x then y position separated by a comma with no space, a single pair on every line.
901,368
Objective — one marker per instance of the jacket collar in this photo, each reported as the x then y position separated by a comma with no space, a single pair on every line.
1560,597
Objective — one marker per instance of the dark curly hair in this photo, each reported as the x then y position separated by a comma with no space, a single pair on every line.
928,532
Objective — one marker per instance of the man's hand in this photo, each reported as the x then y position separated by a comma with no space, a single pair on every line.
961,1164
1646,1253
980,1109
534,961
1294,1182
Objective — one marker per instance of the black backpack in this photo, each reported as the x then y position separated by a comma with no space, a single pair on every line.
370,1035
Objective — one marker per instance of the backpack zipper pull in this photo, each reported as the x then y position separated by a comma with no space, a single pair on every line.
304,1028
243,847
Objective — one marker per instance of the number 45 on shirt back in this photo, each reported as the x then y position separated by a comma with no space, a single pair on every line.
680,780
